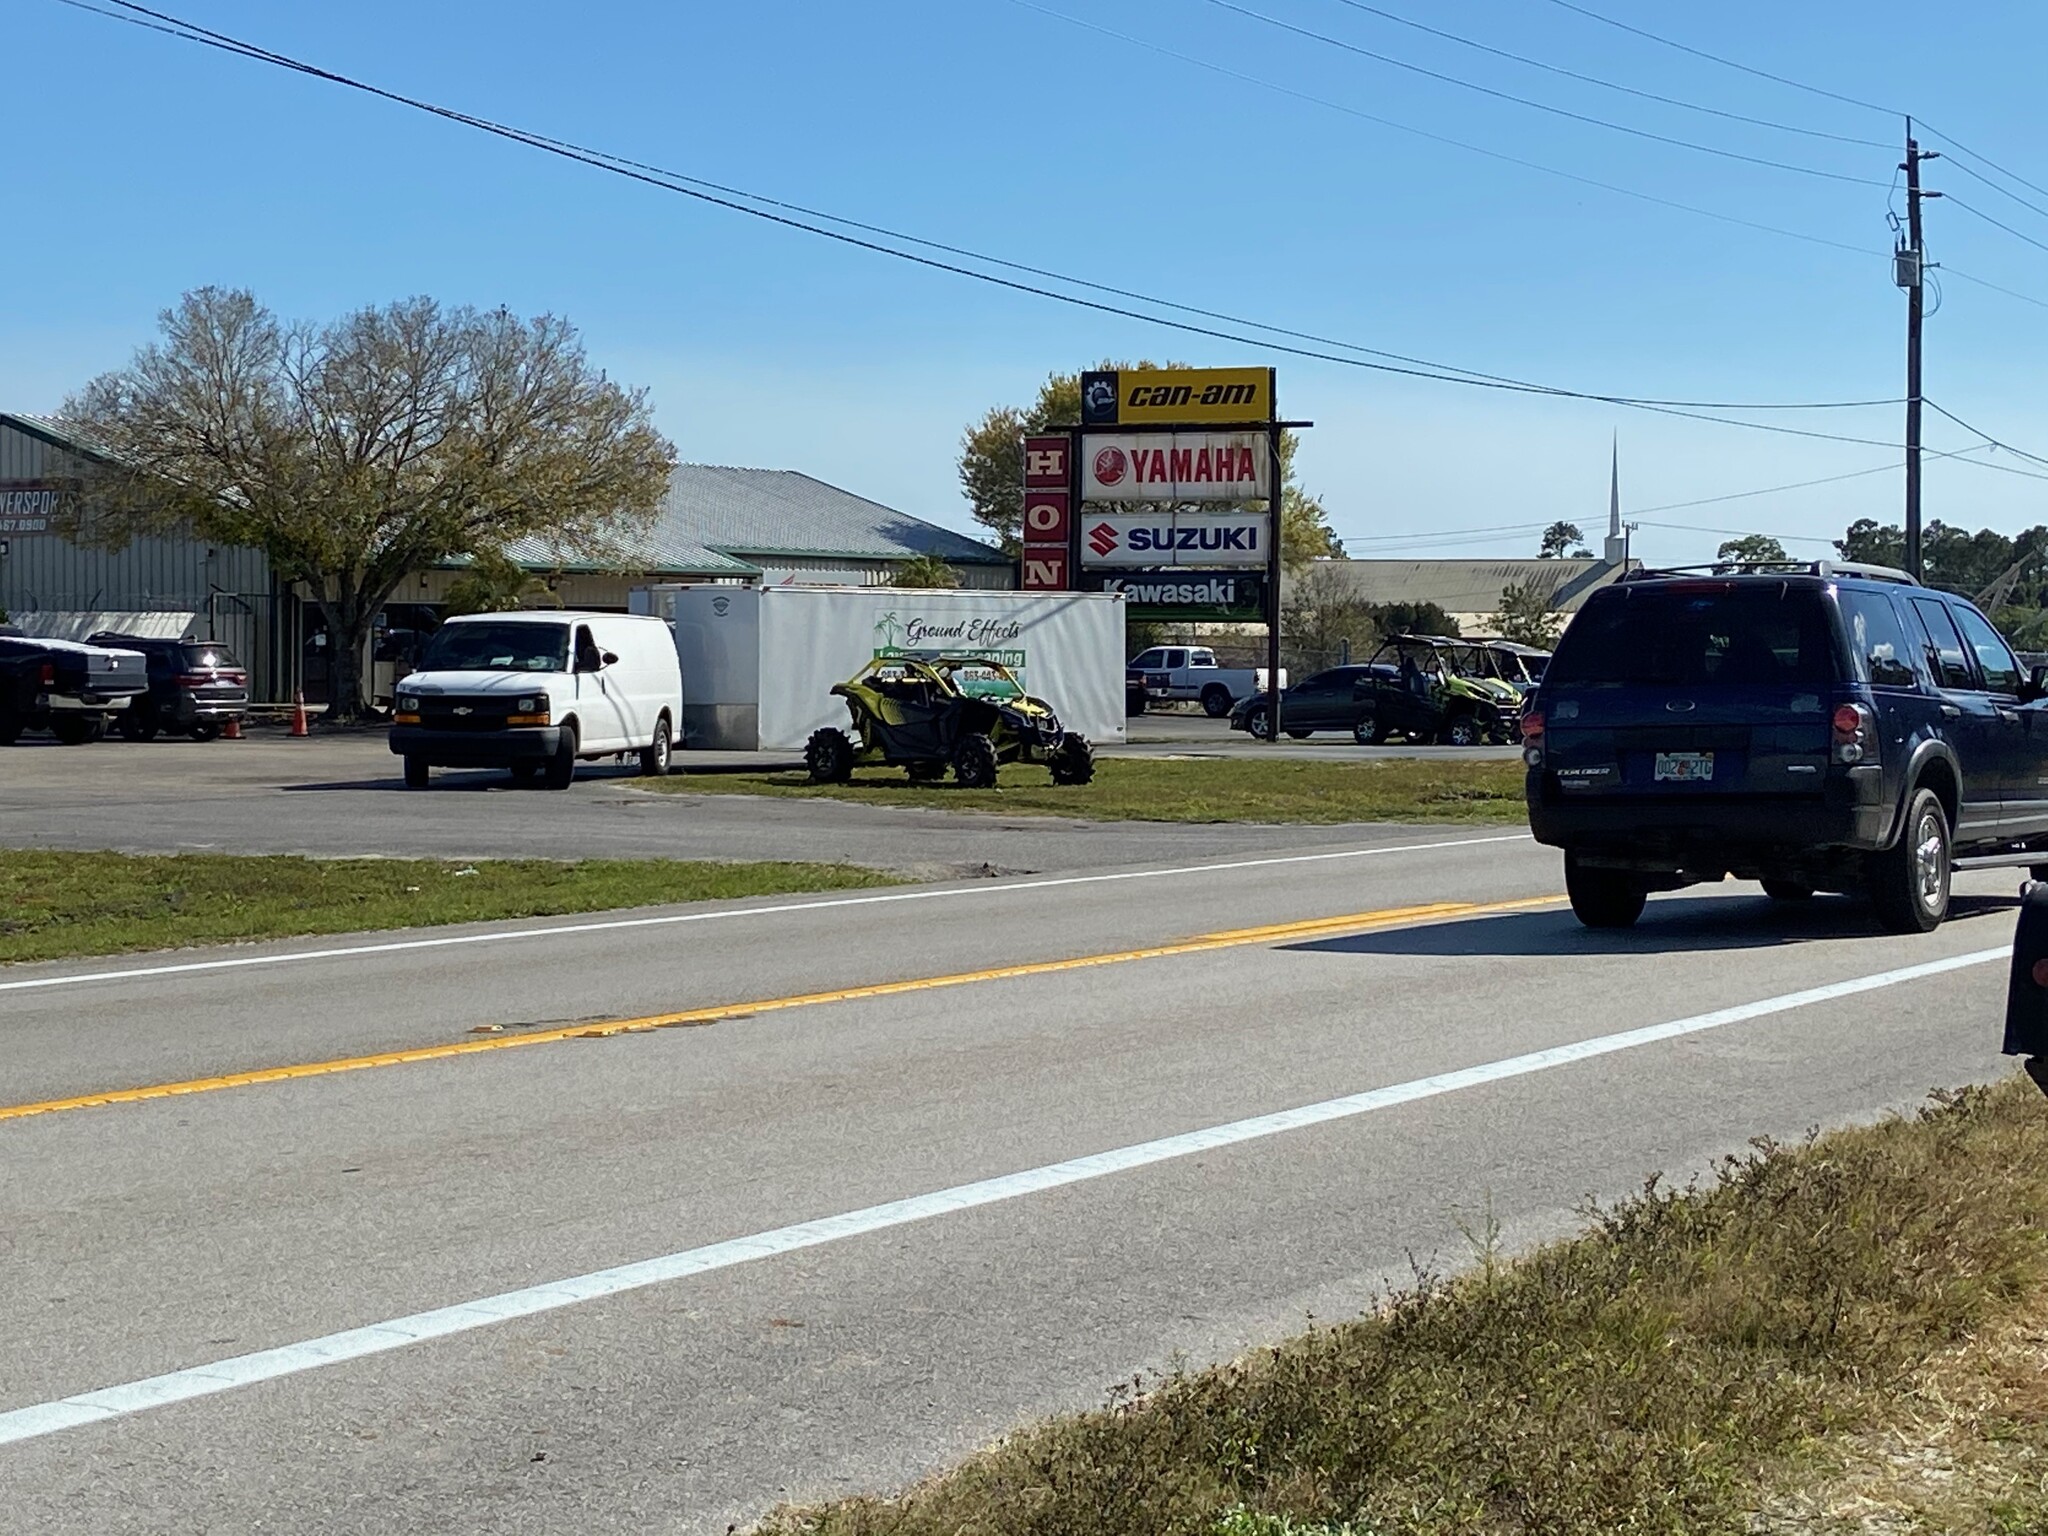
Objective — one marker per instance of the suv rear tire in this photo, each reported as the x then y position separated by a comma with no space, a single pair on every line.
1909,882
1604,898
137,724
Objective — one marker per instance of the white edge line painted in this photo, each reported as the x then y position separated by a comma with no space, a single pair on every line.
378,1338
953,892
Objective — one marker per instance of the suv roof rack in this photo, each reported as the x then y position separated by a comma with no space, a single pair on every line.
1824,568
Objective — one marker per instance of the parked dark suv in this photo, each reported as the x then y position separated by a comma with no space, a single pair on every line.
195,688
1823,727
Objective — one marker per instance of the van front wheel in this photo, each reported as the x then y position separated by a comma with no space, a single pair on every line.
415,772
561,769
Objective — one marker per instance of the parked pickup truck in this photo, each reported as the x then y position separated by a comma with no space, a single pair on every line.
1167,673
63,687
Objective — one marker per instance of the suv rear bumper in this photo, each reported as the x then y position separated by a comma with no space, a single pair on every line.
477,749
1852,816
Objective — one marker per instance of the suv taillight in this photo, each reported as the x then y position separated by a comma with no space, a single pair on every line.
1532,737
49,674
1855,732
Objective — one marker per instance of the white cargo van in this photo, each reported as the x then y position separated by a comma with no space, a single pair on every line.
533,692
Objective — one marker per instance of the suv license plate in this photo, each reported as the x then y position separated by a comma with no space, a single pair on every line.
1685,767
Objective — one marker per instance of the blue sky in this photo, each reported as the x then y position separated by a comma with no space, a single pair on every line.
142,166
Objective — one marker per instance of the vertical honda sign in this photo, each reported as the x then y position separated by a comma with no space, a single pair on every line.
1047,532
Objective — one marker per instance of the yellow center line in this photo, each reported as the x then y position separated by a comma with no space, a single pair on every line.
1231,939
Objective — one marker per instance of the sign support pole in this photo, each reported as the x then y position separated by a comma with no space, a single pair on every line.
1274,502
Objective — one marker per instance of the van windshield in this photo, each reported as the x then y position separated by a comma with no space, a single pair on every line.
1698,636
498,647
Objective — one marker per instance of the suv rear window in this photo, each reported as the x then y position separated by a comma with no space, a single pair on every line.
200,657
1699,636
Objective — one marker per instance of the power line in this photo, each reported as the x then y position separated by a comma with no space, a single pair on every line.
2011,293
1938,407
1611,85
191,32
1815,90
1438,138
1979,176
1540,106
1956,202
1715,58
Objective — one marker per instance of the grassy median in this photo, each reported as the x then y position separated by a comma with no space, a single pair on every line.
1844,1336
1180,789
55,905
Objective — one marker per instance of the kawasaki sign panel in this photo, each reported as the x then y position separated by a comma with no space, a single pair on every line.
1216,597
1218,539
1175,466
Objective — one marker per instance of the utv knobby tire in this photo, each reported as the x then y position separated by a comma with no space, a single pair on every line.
1909,883
76,730
974,762
655,756
1604,898
560,772
1074,763
829,756
1368,732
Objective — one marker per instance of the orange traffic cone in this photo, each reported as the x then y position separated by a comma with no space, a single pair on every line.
232,731
299,714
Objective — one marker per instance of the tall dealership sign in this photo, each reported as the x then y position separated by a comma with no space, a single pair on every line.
1168,490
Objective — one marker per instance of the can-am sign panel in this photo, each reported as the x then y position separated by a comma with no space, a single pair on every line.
1175,538
1173,396
1174,466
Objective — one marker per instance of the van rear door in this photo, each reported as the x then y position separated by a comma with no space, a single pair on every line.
1700,689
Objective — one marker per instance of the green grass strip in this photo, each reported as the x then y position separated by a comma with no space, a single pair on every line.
57,905
1181,789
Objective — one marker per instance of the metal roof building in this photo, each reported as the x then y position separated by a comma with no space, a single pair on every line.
766,527
1469,590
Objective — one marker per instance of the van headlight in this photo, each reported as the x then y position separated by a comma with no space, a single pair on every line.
528,706
408,703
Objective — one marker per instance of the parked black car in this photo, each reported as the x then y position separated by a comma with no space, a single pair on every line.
63,687
1824,727
195,688
1340,699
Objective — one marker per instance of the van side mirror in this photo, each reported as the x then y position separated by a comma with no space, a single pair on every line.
609,659
2026,994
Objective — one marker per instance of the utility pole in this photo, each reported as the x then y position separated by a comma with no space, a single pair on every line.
1909,271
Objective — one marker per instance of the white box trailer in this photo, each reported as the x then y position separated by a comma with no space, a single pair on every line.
759,663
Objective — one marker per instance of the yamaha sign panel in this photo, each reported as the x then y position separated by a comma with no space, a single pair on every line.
1175,466
1220,539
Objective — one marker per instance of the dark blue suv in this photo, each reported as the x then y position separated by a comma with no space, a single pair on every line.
1825,727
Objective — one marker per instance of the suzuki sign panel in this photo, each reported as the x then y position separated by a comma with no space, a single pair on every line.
1215,539
1175,466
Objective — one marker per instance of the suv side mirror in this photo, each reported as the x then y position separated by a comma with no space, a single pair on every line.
2036,685
2026,994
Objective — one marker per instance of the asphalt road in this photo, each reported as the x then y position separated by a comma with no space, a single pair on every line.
297,1239
345,796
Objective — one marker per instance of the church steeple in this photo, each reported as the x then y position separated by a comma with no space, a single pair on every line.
1617,546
